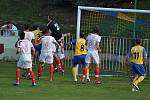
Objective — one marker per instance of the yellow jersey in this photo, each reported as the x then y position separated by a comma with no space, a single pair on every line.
80,47
137,53
36,35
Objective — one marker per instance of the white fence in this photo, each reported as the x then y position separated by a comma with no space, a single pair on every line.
112,57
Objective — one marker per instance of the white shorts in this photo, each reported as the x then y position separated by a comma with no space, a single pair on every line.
25,61
92,56
46,58
61,55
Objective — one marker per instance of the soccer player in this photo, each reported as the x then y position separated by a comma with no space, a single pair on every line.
37,43
54,28
24,47
61,54
47,52
138,56
93,40
28,36
55,32
80,54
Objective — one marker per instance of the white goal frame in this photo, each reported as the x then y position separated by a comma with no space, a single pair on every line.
103,9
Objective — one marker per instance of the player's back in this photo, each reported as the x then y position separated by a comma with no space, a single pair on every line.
47,44
36,35
80,47
92,39
138,53
29,35
25,46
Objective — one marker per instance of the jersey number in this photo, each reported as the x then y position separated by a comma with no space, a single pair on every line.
82,48
136,55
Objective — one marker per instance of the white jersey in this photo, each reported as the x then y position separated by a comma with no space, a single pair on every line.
25,46
92,39
29,35
25,53
47,44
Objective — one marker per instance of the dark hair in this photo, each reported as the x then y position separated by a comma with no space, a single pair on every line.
21,35
82,35
44,29
138,41
34,27
96,29
26,26
50,17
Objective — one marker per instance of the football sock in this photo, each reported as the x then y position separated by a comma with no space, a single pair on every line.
135,78
32,76
84,73
140,79
57,61
40,69
51,72
74,72
62,67
97,72
87,76
17,74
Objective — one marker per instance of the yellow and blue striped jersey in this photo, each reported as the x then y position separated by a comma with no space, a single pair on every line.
137,54
80,47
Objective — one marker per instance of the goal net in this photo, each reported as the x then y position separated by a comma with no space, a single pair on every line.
118,28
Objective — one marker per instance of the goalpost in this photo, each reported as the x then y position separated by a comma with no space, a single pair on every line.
118,28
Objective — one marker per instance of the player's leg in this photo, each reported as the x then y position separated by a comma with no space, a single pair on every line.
32,76
57,61
55,66
95,57
82,59
41,64
62,69
17,76
74,68
85,70
28,66
141,73
49,60
19,64
61,55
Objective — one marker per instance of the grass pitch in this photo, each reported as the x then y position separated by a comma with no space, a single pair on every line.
63,87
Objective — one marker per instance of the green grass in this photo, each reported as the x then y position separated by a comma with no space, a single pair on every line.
63,88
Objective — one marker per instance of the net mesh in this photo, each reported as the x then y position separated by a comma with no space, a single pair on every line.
118,30
116,23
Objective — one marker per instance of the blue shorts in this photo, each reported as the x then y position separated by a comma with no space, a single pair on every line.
138,69
79,59
38,47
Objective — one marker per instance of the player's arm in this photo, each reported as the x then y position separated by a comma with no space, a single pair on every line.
145,56
98,46
33,51
129,54
18,50
33,38
18,47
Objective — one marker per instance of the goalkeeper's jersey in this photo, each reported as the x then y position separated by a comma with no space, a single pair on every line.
80,47
137,54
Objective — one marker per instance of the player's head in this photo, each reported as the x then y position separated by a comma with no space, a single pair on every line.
26,27
50,18
138,41
21,35
45,30
35,27
82,35
95,29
